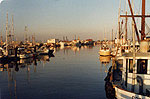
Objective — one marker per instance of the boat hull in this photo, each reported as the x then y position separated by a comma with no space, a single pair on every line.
47,53
104,53
124,94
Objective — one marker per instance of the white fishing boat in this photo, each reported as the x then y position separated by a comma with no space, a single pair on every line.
132,80
129,78
104,51
45,51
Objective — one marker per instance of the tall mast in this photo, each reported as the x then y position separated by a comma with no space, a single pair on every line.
7,34
134,20
66,38
118,35
26,34
133,33
112,35
12,28
143,16
1,37
74,39
33,39
105,35
126,24
143,21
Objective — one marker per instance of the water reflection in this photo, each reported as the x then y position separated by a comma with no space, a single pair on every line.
22,63
72,76
75,49
111,76
14,66
109,90
105,60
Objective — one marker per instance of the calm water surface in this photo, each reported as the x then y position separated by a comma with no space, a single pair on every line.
72,74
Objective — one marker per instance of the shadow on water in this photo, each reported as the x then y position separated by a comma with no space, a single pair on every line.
109,90
105,60
113,74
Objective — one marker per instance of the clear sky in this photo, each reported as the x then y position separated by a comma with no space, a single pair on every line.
58,18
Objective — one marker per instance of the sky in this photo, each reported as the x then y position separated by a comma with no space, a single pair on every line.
57,18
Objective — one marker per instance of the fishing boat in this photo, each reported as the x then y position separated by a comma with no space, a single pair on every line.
127,72
45,51
128,77
23,54
119,50
2,52
104,50
76,43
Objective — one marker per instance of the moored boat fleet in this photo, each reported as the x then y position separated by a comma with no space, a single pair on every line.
24,52
12,49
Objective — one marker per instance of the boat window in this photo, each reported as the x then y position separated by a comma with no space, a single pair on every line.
130,65
142,66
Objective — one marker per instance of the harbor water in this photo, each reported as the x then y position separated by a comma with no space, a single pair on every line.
72,73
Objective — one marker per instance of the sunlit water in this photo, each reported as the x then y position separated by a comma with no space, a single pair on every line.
72,74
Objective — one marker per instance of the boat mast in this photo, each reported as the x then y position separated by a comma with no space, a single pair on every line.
105,35
126,25
118,35
136,30
13,28
133,34
26,39
1,37
33,39
143,21
112,36
7,34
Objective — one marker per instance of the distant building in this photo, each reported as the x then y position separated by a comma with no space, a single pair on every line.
53,41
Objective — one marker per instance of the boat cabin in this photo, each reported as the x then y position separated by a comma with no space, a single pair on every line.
142,72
